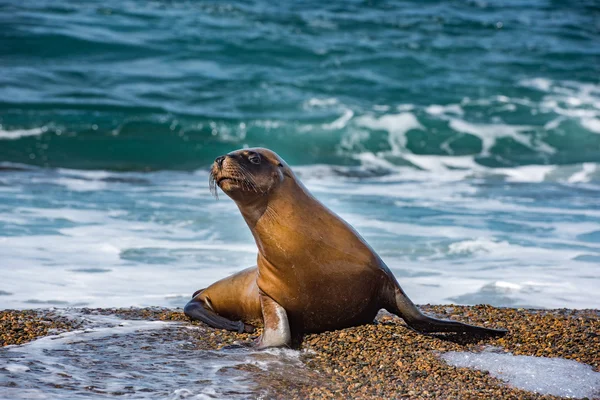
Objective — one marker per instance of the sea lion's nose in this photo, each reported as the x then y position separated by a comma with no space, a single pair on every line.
219,161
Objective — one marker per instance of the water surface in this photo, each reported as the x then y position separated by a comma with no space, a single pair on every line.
461,138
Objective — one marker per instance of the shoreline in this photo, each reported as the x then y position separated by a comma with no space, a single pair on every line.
381,360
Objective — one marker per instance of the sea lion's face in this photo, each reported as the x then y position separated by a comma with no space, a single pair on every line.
248,173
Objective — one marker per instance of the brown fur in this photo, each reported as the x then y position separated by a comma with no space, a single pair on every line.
310,262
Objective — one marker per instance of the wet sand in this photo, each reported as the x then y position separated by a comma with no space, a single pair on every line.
382,360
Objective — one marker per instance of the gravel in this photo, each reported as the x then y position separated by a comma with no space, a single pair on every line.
382,360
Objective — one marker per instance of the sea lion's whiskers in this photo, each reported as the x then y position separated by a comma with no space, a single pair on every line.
246,185
246,174
249,178
212,185
242,176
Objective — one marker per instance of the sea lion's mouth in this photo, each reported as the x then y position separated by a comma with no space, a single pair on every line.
221,180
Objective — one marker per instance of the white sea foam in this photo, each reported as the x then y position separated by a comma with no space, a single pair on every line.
79,185
566,100
537,83
16,368
479,245
458,168
268,124
69,214
371,160
552,376
381,107
445,167
587,170
92,175
569,100
321,102
447,231
591,124
341,121
405,107
450,223
19,133
490,133
395,124
435,109
58,267
526,173
133,358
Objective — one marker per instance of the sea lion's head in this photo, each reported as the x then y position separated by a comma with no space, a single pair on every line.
247,174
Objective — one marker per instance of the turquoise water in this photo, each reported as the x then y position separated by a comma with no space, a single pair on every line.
170,84
461,138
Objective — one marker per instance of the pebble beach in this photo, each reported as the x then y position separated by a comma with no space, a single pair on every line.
382,360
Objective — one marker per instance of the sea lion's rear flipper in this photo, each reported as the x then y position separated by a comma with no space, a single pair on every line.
405,308
196,310
277,331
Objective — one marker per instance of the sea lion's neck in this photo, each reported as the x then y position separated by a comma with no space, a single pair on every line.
291,218
253,210
263,213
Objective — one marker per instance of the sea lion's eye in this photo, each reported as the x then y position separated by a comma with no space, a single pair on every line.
254,158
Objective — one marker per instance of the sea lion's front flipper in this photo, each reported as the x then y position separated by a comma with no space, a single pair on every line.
277,328
196,310
405,308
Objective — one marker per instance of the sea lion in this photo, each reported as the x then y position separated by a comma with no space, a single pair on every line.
314,272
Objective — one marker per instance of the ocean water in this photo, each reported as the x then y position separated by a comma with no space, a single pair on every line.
554,376
112,357
460,138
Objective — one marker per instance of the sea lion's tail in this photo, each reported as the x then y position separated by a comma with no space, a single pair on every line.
408,311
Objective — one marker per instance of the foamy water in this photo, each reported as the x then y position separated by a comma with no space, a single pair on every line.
526,236
134,359
553,376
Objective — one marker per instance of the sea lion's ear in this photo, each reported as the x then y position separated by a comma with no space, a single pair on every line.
280,165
